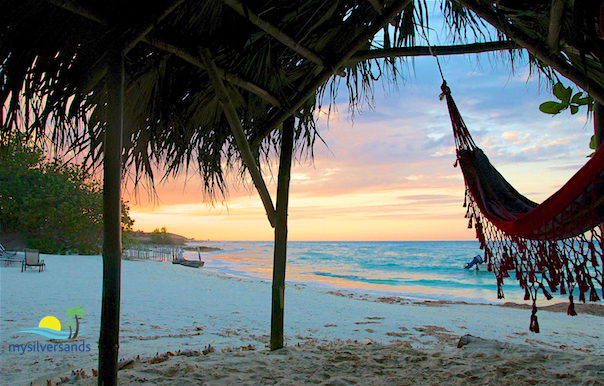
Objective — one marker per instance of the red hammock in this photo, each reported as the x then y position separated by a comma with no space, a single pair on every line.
557,244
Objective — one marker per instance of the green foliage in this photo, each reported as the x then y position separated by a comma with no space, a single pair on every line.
127,223
77,311
57,207
567,100
592,145
160,236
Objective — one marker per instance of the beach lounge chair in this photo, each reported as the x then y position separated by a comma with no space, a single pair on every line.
9,259
32,259
8,256
5,253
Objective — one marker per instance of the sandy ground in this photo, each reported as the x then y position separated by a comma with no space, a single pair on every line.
481,362
170,314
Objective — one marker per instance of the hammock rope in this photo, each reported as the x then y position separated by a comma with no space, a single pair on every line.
553,246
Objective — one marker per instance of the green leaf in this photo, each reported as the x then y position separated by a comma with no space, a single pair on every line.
577,97
552,107
583,101
592,142
574,109
562,93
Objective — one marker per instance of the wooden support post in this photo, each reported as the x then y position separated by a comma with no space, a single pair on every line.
112,231
599,123
280,252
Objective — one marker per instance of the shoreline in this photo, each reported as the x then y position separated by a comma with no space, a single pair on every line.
415,270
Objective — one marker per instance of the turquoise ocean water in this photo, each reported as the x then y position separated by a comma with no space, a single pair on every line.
423,270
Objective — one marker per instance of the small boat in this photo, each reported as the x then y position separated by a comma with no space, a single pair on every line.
475,262
188,263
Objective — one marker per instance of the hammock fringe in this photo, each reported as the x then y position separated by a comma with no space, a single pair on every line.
557,244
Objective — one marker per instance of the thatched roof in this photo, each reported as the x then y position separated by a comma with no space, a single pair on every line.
275,56
564,34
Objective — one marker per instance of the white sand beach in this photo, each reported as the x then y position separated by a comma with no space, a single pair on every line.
171,313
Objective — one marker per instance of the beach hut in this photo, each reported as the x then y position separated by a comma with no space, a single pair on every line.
221,85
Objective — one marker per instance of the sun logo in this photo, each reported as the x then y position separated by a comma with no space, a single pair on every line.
50,326
50,322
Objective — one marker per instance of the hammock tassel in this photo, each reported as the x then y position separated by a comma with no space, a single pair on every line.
552,284
594,259
571,307
500,288
562,289
593,295
582,289
527,294
534,326
547,295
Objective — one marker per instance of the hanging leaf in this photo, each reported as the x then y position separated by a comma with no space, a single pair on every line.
577,98
582,101
592,145
574,109
592,142
552,107
562,93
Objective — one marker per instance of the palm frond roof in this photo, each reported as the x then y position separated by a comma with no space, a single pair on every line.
273,55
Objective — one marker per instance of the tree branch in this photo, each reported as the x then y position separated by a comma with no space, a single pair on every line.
473,48
377,6
275,32
231,78
235,123
79,9
555,18
537,48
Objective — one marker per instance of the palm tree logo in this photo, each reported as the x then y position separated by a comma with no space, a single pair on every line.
71,312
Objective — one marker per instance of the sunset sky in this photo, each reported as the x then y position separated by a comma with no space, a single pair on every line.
387,173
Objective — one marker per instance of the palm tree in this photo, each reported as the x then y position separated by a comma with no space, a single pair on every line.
77,311
69,324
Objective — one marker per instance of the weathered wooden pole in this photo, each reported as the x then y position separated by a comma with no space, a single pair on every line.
598,123
278,217
280,250
112,232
